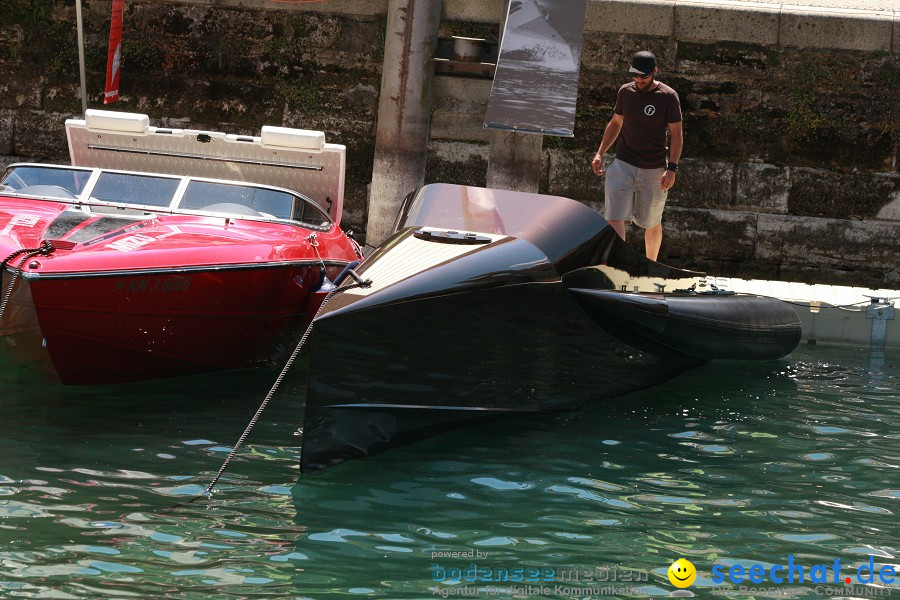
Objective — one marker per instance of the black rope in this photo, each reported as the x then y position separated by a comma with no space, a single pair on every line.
44,249
804,304
277,383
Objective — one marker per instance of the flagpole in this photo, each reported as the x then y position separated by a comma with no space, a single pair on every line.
81,57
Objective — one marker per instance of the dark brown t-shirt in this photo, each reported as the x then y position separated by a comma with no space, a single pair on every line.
642,141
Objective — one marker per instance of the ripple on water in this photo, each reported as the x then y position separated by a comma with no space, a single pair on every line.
730,463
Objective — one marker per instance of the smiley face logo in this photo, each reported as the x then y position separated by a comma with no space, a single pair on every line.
682,573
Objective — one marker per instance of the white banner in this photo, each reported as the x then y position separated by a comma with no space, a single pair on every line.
536,84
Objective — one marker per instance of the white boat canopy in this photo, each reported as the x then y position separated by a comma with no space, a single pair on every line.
295,159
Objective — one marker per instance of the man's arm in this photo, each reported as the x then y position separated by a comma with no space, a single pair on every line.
609,137
676,143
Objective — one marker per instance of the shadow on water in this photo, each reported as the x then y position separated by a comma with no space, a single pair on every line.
137,427
215,396
730,461
709,391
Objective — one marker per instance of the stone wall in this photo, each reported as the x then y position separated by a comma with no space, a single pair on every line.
791,142
198,65
790,168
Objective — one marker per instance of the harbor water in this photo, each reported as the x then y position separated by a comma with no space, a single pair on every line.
733,463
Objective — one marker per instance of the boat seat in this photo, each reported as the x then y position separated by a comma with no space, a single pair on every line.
232,208
50,191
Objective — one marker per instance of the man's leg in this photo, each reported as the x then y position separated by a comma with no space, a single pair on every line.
650,200
653,240
619,227
619,191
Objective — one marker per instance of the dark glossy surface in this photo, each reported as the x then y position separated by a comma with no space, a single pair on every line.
454,332
467,357
557,226
570,234
508,261
704,327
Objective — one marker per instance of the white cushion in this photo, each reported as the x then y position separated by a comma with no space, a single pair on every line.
286,137
122,122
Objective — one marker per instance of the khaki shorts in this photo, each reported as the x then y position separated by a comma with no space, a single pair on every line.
634,194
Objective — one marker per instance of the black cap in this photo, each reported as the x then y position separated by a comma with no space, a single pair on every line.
643,63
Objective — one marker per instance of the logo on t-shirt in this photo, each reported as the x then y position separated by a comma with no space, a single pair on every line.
649,110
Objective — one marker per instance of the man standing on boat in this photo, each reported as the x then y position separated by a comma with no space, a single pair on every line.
639,178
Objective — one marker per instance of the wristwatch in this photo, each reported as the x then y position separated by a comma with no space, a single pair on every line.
672,167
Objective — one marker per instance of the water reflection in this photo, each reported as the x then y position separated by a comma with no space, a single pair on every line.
730,463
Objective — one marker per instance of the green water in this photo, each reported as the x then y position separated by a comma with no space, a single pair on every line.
732,463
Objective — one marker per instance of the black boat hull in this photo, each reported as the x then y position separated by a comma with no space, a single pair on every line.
487,304
410,369
704,327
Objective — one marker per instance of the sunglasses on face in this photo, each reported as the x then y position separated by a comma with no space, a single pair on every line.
641,75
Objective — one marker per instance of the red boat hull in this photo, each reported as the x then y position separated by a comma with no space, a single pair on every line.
21,339
201,260
180,295
91,329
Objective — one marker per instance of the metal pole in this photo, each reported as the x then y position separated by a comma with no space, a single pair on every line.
880,310
404,110
81,57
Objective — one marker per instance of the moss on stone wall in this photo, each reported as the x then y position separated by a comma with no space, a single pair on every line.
789,106
268,62
32,15
740,101
484,31
733,54
210,66
470,171
817,192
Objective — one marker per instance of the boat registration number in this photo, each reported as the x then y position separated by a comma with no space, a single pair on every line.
152,285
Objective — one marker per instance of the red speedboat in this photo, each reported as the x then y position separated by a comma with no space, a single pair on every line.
165,252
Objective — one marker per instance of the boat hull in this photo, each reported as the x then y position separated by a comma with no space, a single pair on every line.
489,303
411,369
114,328
700,326
21,339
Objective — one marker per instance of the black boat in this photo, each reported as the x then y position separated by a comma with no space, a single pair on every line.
488,303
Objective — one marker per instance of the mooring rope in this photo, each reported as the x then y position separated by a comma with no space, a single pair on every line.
45,249
278,380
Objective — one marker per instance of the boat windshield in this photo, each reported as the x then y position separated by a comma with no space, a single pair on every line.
135,190
97,188
223,197
39,180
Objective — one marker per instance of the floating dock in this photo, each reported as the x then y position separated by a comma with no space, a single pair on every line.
832,313
828,313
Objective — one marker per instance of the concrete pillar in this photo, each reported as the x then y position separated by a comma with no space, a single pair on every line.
404,110
514,160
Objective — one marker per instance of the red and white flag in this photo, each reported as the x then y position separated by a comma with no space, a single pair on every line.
114,59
